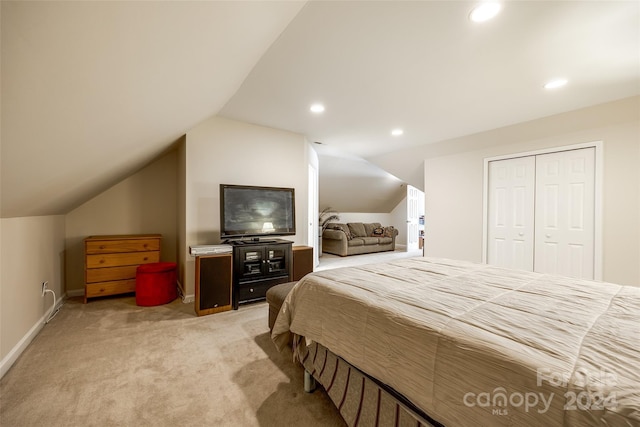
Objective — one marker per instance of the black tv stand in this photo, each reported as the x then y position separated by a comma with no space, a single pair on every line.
252,241
257,266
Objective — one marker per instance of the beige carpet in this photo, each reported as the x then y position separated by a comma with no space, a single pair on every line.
112,363
329,261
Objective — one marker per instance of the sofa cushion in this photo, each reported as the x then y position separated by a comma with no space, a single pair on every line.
357,229
385,240
370,240
356,241
341,227
369,227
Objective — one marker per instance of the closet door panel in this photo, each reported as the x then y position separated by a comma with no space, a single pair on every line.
564,213
511,206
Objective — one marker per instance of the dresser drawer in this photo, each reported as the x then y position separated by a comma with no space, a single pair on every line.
125,245
109,274
121,259
110,288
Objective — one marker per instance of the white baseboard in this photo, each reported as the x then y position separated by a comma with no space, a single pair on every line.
186,299
8,361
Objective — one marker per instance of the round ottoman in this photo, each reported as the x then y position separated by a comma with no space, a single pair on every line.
156,283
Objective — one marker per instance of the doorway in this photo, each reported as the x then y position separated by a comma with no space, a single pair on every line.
415,219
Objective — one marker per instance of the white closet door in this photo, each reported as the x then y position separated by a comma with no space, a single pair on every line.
564,215
510,213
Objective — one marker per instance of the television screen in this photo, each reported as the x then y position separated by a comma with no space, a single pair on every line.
256,211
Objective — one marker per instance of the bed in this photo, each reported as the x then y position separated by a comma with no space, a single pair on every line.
464,344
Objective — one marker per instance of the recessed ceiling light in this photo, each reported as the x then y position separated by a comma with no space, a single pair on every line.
556,83
397,132
317,108
485,11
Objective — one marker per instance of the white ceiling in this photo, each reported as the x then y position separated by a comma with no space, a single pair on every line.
425,67
91,91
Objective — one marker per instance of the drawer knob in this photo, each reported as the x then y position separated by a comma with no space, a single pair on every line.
145,258
102,261
145,245
102,289
102,246
251,290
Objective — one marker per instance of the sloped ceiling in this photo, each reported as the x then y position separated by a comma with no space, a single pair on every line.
350,183
91,91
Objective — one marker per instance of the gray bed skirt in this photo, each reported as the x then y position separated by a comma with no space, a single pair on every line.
361,400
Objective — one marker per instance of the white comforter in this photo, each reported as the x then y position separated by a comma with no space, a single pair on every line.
472,344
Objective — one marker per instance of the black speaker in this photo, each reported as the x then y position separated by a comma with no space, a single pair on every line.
213,284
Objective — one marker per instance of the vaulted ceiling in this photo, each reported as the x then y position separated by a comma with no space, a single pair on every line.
92,91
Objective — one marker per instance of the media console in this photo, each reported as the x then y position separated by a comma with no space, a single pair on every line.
225,280
257,266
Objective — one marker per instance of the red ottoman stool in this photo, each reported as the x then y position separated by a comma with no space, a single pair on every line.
156,283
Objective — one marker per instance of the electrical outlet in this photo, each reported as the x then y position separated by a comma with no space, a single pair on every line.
44,286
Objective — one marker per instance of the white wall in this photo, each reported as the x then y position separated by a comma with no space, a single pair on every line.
223,151
313,237
454,184
144,203
9,345
32,251
181,248
382,218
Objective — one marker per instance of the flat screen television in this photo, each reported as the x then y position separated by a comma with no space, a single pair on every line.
248,211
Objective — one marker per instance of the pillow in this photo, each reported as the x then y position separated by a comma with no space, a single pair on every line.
357,229
368,227
389,231
377,232
342,228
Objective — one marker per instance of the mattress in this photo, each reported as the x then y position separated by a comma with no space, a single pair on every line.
472,344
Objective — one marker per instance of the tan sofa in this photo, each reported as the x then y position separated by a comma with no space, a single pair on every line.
358,238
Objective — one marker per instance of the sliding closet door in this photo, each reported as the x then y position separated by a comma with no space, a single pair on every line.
511,213
565,213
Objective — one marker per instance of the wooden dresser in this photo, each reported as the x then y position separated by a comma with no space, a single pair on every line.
110,262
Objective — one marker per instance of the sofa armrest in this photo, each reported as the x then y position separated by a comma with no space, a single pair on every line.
335,242
334,234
